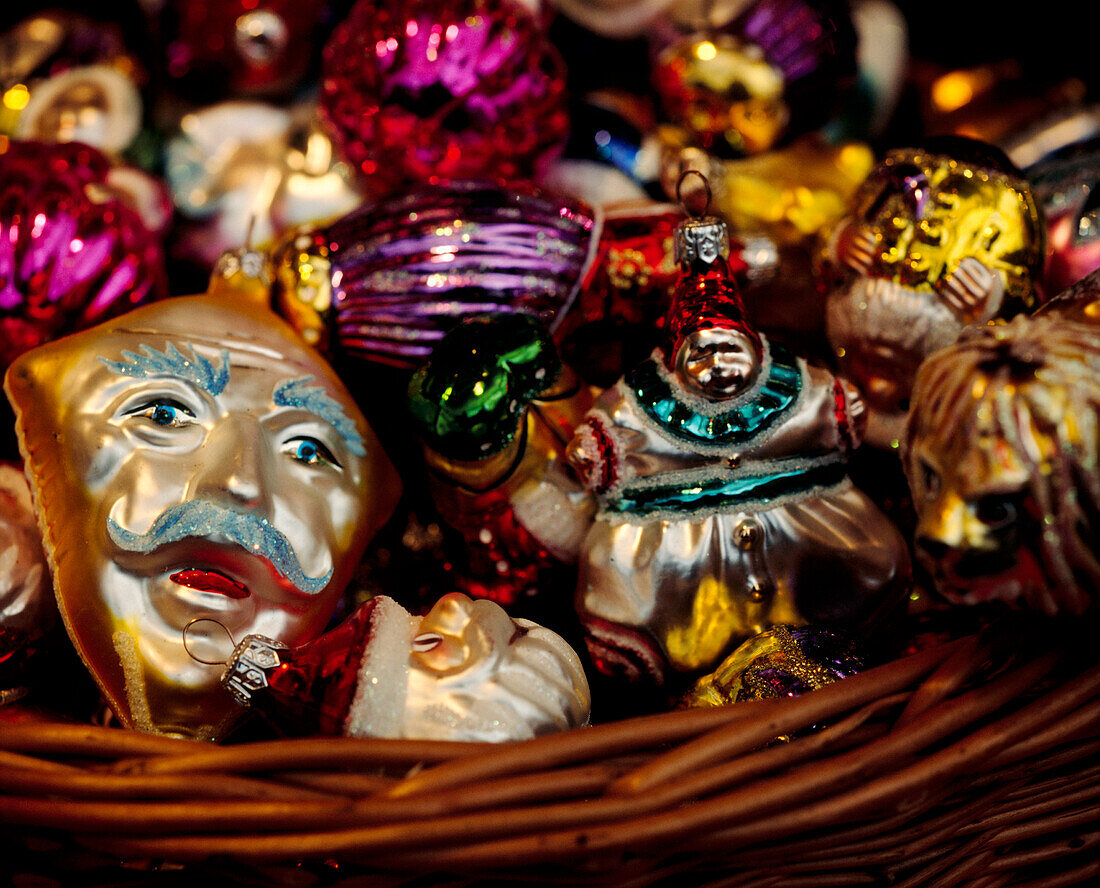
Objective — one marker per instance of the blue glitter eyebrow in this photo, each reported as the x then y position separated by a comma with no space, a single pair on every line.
172,362
313,398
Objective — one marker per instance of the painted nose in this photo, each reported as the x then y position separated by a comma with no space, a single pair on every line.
233,471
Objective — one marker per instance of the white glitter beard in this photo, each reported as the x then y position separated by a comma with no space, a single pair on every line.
876,309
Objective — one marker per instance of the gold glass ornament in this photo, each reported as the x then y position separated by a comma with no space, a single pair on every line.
934,241
1002,453
193,459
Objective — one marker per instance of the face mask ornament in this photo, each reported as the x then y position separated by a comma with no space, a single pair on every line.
193,459
934,243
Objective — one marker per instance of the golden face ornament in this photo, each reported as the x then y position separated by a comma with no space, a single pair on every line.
193,459
933,244
1002,451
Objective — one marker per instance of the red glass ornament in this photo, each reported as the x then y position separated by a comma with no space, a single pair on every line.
443,89
307,689
239,47
73,252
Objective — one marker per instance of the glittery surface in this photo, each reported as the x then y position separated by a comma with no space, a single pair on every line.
173,362
199,519
67,261
313,398
785,661
437,89
402,272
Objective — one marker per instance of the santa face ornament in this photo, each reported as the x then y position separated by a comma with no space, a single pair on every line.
193,459
935,242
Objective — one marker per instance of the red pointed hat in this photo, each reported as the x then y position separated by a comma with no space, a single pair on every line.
706,296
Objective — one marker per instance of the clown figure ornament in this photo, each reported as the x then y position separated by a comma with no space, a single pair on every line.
725,505
193,459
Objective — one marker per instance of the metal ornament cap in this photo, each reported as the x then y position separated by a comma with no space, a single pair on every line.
704,239
252,661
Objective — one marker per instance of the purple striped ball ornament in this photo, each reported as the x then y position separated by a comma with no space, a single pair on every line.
386,282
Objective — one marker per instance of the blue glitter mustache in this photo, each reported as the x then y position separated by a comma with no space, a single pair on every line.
197,519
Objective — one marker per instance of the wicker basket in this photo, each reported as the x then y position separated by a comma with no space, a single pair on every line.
967,763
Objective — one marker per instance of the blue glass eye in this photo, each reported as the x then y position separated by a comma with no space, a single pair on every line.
164,412
311,451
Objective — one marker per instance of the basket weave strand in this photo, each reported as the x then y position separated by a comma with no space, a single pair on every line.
960,765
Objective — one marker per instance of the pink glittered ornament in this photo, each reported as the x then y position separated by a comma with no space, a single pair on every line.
417,92
73,251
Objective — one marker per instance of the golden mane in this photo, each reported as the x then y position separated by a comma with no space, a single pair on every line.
1033,387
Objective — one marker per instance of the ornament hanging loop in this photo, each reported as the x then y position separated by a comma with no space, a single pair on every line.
224,628
683,201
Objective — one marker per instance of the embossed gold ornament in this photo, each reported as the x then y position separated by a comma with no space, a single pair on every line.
934,241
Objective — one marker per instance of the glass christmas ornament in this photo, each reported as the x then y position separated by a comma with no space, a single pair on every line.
775,71
494,408
214,48
936,239
1067,187
445,89
27,609
784,661
75,248
193,459
247,172
387,281
724,501
464,671
1002,454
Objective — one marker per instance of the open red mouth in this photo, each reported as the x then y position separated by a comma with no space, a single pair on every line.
210,581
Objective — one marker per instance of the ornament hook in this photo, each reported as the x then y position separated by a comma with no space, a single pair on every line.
680,195
225,629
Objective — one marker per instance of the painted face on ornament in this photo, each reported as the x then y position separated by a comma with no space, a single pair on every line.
193,460
718,363
1001,436
477,674
933,244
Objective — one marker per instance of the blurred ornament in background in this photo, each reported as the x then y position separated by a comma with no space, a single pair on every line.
779,69
443,89
65,77
494,408
992,102
27,608
76,243
387,281
248,171
1067,187
1002,454
938,237
784,661
215,48
94,104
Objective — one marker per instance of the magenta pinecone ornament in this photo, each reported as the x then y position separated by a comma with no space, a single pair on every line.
73,250
443,89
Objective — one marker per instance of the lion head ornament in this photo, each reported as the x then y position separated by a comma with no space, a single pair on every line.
1001,452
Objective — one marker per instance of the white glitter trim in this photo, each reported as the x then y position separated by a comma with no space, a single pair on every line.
378,708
